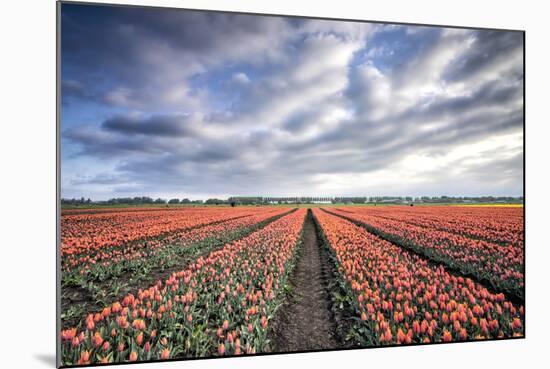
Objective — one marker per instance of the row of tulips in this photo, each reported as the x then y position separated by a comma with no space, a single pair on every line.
87,233
400,298
501,266
219,305
502,225
105,210
149,247
139,263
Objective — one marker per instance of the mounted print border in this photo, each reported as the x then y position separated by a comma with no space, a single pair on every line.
253,184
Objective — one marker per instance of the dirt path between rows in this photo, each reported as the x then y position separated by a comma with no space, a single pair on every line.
305,321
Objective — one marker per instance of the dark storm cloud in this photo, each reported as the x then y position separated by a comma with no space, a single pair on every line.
494,93
74,92
105,48
72,88
487,50
99,144
100,179
158,125
284,107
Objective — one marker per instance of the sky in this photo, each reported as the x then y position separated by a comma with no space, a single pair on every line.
177,103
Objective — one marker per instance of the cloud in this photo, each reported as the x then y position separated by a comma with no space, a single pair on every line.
158,125
72,88
99,179
197,103
315,72
140,59
105,146
241,78
488,53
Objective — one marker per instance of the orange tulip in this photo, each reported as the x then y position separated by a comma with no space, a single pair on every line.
387,335
138,324
221,349
75,342
416,327
116,307
90,325
68,334
84,358
97,339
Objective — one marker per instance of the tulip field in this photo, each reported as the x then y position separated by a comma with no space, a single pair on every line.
142,284
402,298
484,242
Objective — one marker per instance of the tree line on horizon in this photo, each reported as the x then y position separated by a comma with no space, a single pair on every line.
259,200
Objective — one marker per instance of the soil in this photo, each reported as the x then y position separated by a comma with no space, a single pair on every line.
305,321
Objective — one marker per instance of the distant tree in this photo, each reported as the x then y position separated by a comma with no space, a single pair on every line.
146,200
174,201
160,201
214,201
